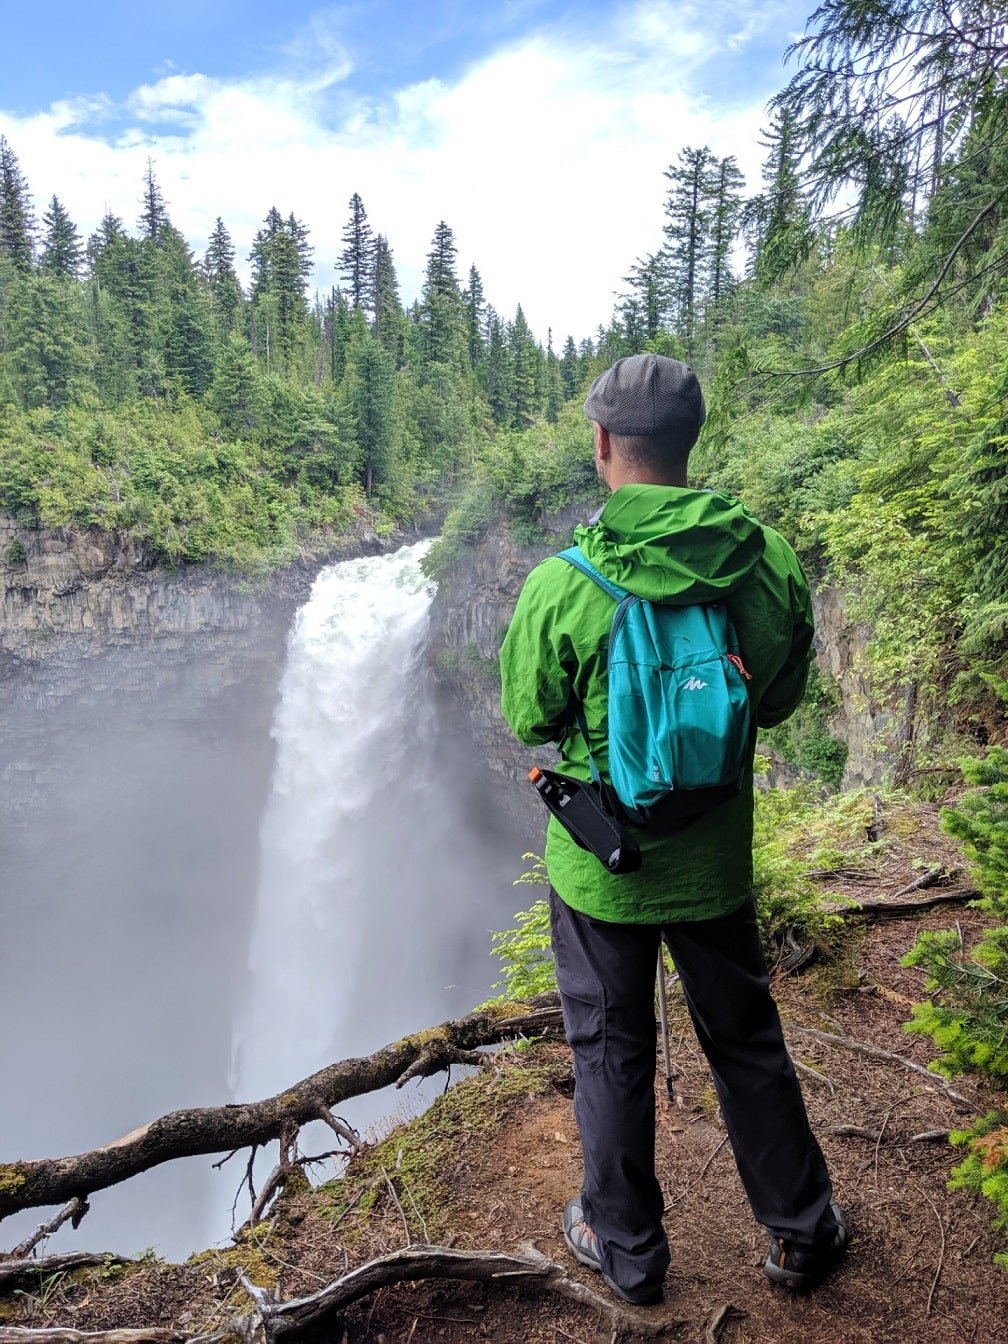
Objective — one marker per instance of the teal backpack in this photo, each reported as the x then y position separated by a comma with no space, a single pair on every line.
679,718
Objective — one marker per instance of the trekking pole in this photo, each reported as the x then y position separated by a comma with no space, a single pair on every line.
663,1014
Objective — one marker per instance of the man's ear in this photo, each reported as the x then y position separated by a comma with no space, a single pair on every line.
603,447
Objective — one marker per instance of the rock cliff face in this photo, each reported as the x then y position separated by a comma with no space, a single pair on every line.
96,644
471,613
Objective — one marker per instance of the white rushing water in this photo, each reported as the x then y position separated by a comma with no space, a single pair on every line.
369,920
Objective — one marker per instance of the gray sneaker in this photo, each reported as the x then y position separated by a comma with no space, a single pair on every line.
583,1244
800,1268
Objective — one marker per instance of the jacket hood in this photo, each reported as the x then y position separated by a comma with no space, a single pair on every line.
673,545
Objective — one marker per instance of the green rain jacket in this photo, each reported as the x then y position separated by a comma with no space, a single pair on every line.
668,545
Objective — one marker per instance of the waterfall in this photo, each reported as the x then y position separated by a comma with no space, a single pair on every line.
374,897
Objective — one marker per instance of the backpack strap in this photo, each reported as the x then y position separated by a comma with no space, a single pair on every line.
574,556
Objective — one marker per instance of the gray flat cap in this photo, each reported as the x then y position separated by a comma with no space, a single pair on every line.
647,394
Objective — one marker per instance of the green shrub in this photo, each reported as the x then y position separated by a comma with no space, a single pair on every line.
985,1168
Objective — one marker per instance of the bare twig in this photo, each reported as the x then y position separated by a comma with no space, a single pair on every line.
73,1212
941,1256
341,1129
874,1052
395,1201
706,1166
815,1076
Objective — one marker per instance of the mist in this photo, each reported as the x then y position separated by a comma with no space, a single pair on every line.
205,899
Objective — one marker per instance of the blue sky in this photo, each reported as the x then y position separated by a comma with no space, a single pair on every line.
539,130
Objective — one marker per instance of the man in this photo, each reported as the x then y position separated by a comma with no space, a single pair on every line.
670,544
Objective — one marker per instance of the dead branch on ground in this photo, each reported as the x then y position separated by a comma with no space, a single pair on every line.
934,1080
217,1129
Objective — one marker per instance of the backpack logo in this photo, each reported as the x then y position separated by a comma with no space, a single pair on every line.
694,684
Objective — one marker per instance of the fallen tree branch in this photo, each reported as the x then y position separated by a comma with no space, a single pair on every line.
875,1052
287,1320
29,1270
216,1129
59,1335
933,877
890,908
73,1212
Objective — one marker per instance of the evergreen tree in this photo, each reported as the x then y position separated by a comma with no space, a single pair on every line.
281,262
46,340
475,307
442,313
62,250
369,382
686,232
524,357
725,215
222,279
236,393
261,255
649,295
188,342
886,92
570,369
389,318
17,223
499,375
357,261
153,219
777,221
554,397
336,332
108,232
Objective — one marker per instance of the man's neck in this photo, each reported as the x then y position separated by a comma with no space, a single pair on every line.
621,473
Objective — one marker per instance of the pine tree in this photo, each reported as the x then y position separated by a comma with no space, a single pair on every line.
524,355
645,308
389,320
554,397
686,232
475,306
442,313
725,215
46,340
357,261
369,384
153,219
499,375
236,393
108,232
222,279
62,250
777,221
17,223
570,369
281,262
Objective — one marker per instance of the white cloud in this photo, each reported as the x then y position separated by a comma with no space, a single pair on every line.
545,157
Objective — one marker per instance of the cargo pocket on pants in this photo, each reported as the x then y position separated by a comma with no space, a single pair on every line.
584,1015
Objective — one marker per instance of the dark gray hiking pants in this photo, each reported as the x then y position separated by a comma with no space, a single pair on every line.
606,974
